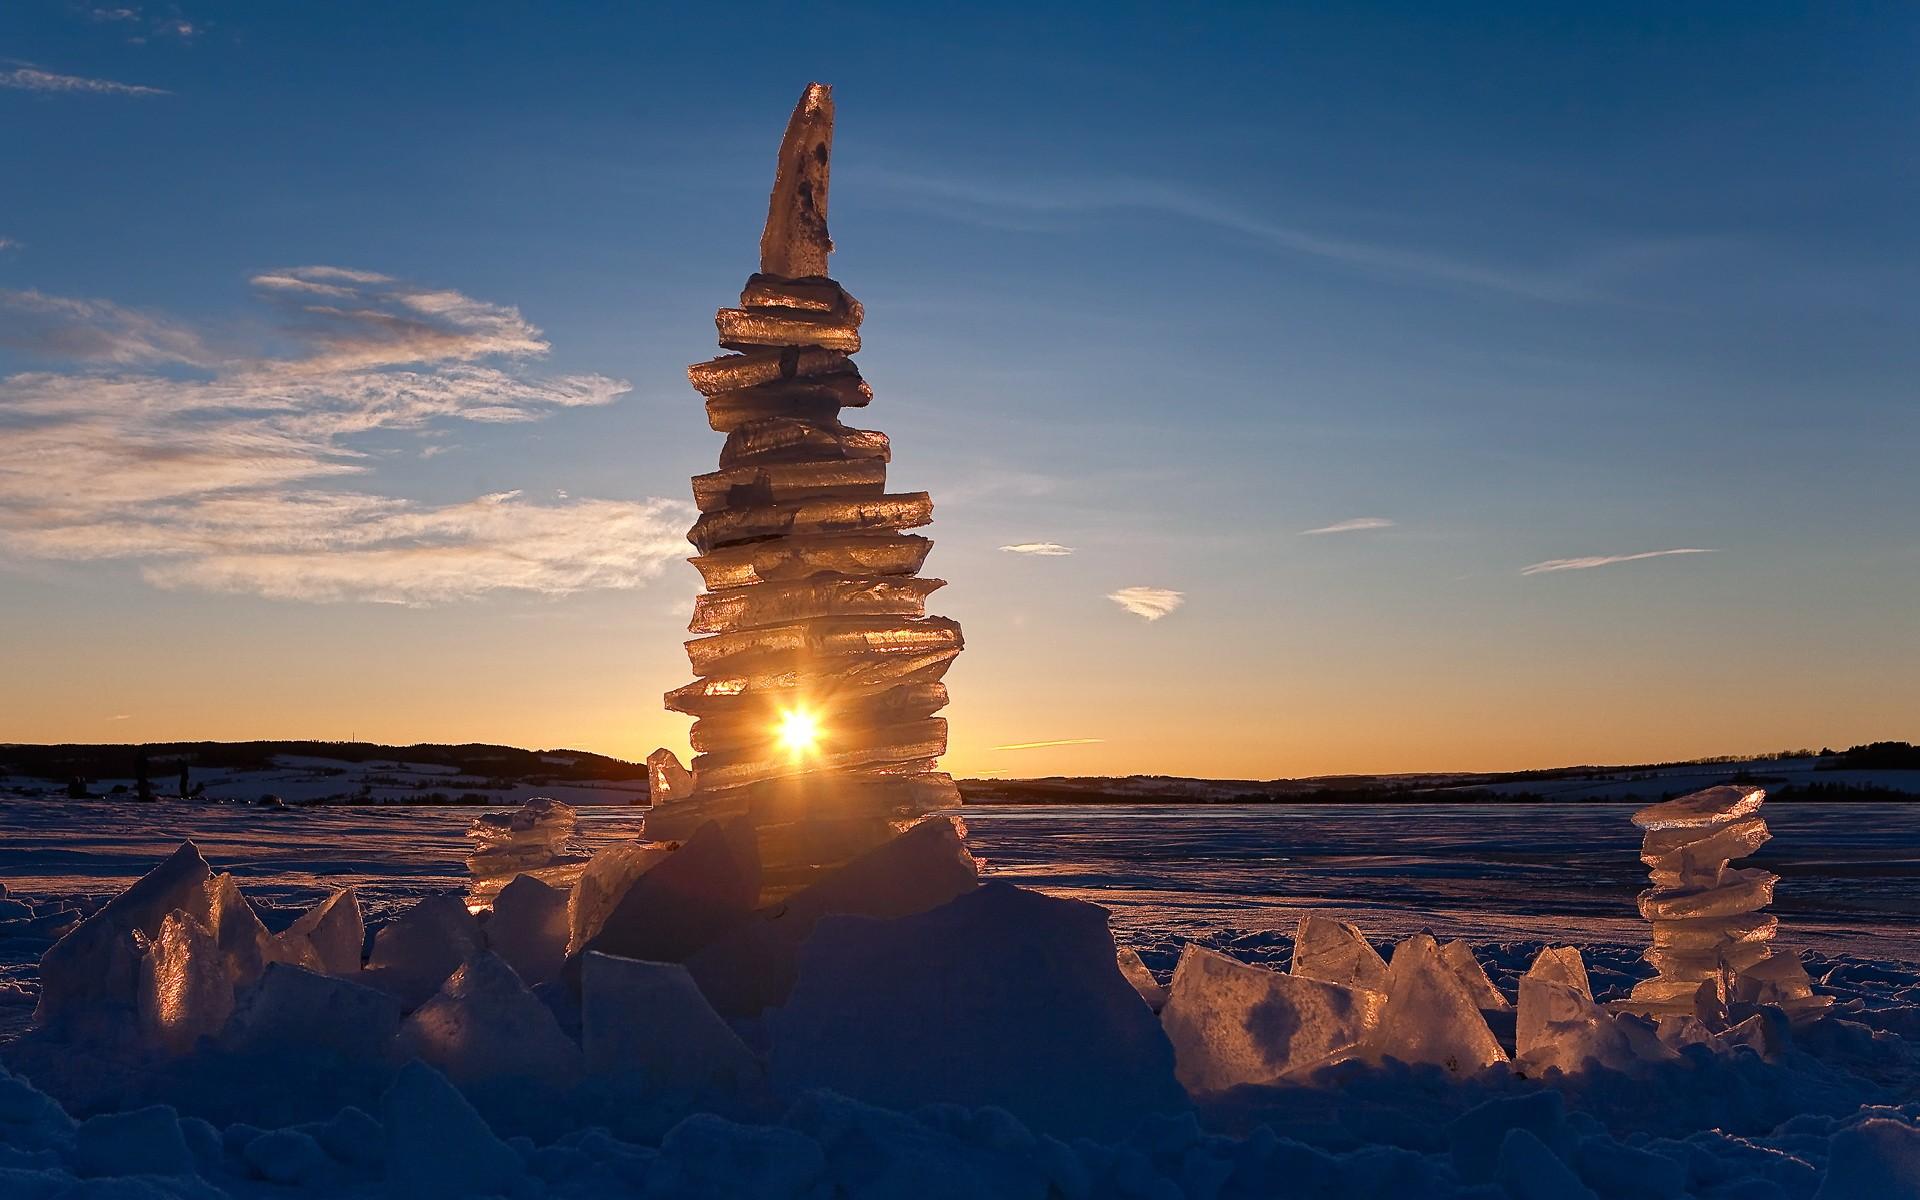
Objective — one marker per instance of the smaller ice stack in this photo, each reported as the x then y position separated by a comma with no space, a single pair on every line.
530,840
1711,943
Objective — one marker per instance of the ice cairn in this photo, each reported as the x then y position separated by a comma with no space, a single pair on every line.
819,672
530,840
1712,946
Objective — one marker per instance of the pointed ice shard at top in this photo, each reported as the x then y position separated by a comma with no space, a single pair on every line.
795,244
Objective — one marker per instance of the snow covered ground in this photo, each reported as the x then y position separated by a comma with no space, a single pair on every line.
1834,1113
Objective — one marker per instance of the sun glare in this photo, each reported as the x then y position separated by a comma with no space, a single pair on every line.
798,730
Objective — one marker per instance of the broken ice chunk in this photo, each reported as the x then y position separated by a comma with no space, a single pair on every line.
1232,1023
1459,956
1709,933
648,1022
1698,851
667,779
1337,952
812,515
328,937
695,894
1710,807
1430,1017
781,483
606,879
1704,1000
794,243
186,990
877,745
292,1008
414,953
531,838
812,295
244,942
1704,964
1562,965
745,328
1151,990
91,975
731,372
1778,979
528,928
1736,891
783,439
799,558
484,1024
836,720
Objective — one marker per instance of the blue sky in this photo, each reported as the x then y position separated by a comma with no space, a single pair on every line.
1169,286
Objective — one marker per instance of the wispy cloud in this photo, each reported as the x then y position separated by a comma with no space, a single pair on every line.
204,465
33,79
1603,560
1352,525
121,717
1053,742
1039,549
7,243
1149,602
992,202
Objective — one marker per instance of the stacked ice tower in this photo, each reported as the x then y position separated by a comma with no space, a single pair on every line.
1712,945
819,670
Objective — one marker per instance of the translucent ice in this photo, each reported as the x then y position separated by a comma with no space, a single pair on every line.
780,483
694,895
794,243
1337,952
870,746
748,725
1564,966
756,368
810,515
808,642
1459,956
528,928
1690,855
1232,1023
328,937
1734,891
186,991
799,558
483,1024
817,401
1430,1016
1151,989
416,952
823,596
245,945
605,880
291,1008
852,678
784,439
807,295
532,838
745,328
1713,806
90,976
649,1022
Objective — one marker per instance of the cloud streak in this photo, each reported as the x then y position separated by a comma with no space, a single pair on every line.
1149,602
1352,525
204,466
33,79
1039,549
1605,560
1053,742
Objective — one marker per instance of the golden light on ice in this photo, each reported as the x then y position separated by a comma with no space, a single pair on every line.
798,730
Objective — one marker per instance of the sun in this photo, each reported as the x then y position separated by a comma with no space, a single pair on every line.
799,731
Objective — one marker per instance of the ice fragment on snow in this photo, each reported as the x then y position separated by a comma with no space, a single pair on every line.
1713,806
292,1008
688,899
1003,996
328,938
1337,952
1232,1023
606,879
485,1025
1459,956
1430,1017
1151,989
90,976
528,928
186,989
649,1021
437,1146
414,953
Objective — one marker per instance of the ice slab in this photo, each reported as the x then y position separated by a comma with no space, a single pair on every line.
1430,1016
786,439
759,726
703,890
1002,997
782,483
758,368
1232,1023
1150,988
528,928
484,1025
245,944
810,516
90,976
1562,965
802,557
1695,852
437,1146
1735,891
754,967
1714,806
746,328
818,295
413,955
1711,932
292,1008
847,679
1459,956
794,243
804,599
1337,952
606,879
534,837
808,643
874,746
816,401
1558,1027
186,989
649,1022
328,937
